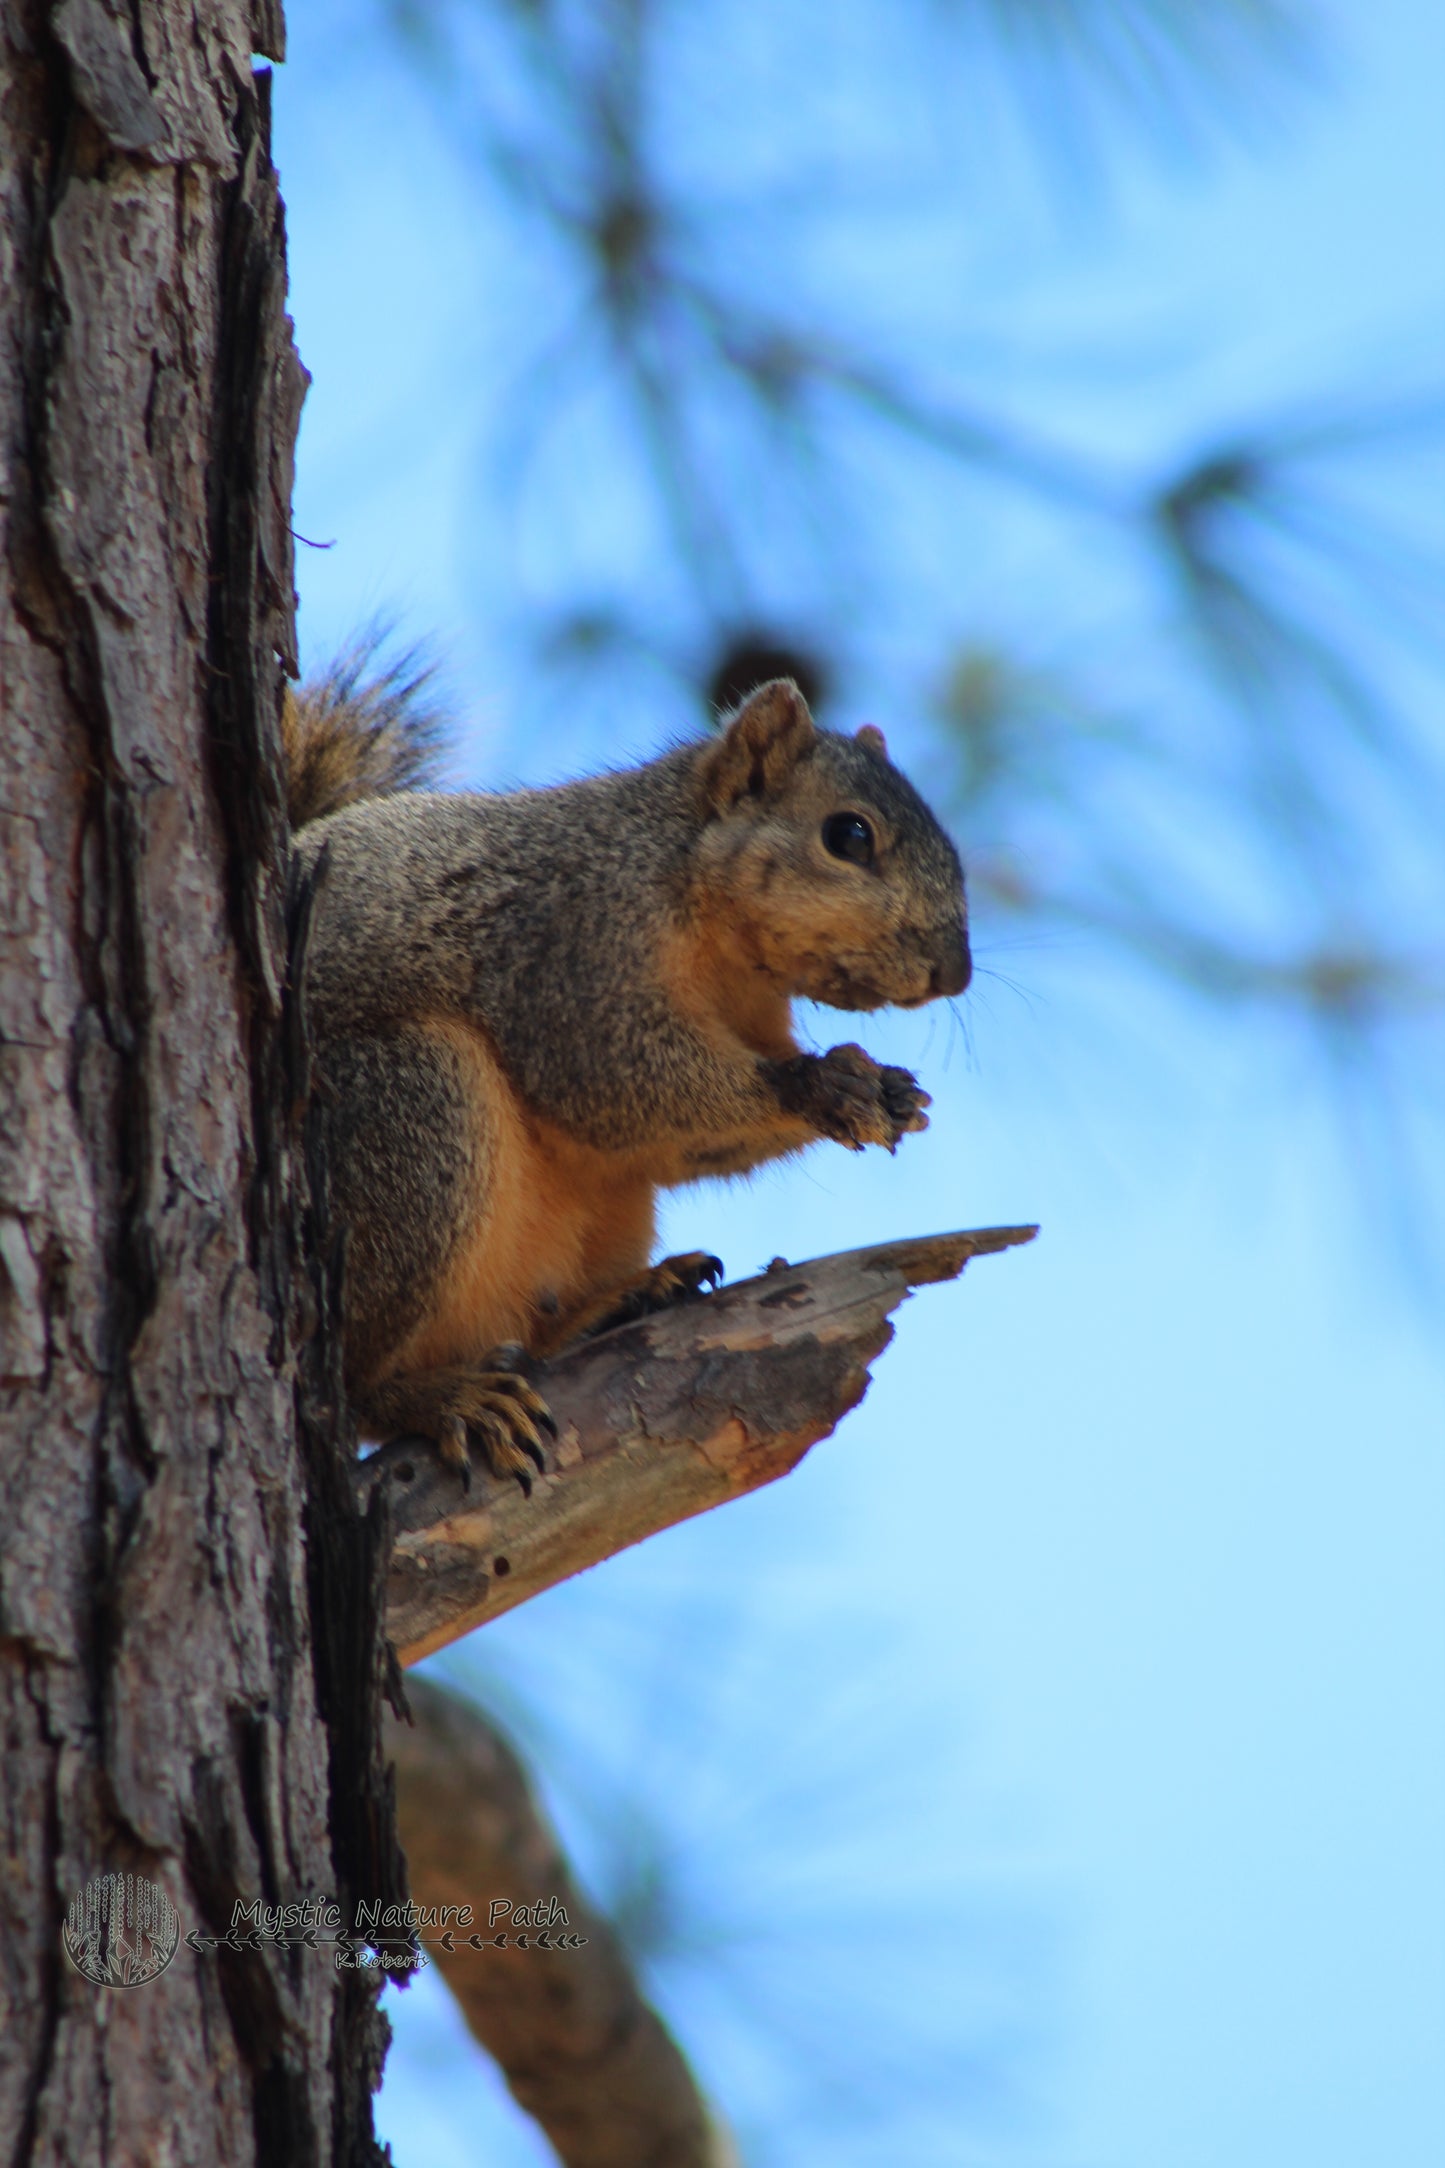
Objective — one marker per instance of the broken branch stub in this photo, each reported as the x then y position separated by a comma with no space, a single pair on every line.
656,1421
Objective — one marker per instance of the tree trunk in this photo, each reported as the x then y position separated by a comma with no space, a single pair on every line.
170,1710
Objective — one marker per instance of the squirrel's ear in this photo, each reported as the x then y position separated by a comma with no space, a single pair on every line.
871,736
762,744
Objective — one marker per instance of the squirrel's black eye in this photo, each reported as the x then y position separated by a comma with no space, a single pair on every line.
848,835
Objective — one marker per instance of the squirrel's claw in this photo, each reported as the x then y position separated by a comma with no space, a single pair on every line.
497,1412
453,1448
507,1420
903,1103
674,1280
504,1374
690,1274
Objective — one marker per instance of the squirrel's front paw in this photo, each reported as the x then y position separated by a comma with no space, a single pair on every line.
847,1095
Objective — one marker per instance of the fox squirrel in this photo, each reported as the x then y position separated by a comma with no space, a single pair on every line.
533,1009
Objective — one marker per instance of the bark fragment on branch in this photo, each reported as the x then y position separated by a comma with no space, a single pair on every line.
581,2049
656,1421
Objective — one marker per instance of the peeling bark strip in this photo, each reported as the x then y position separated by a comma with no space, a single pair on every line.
656,1421
161,1704
581,2049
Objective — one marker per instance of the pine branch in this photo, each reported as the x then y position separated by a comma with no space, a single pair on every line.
582,2050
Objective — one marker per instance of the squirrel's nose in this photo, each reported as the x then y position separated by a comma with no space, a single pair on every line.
954,968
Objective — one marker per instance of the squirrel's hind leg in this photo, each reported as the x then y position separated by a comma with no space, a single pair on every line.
492,1406
424,1164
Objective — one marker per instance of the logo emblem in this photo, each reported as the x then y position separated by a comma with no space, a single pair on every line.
121,1930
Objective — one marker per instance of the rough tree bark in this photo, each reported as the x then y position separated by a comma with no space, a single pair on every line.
167,1706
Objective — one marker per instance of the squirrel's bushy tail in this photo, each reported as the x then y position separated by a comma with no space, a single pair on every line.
357,732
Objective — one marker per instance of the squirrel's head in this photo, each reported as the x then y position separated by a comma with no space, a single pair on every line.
841,885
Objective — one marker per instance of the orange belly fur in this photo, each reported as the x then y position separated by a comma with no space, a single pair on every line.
554,1223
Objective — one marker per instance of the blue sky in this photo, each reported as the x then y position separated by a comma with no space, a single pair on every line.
1129,1570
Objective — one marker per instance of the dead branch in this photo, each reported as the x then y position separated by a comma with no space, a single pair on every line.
656,1421
581,2050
